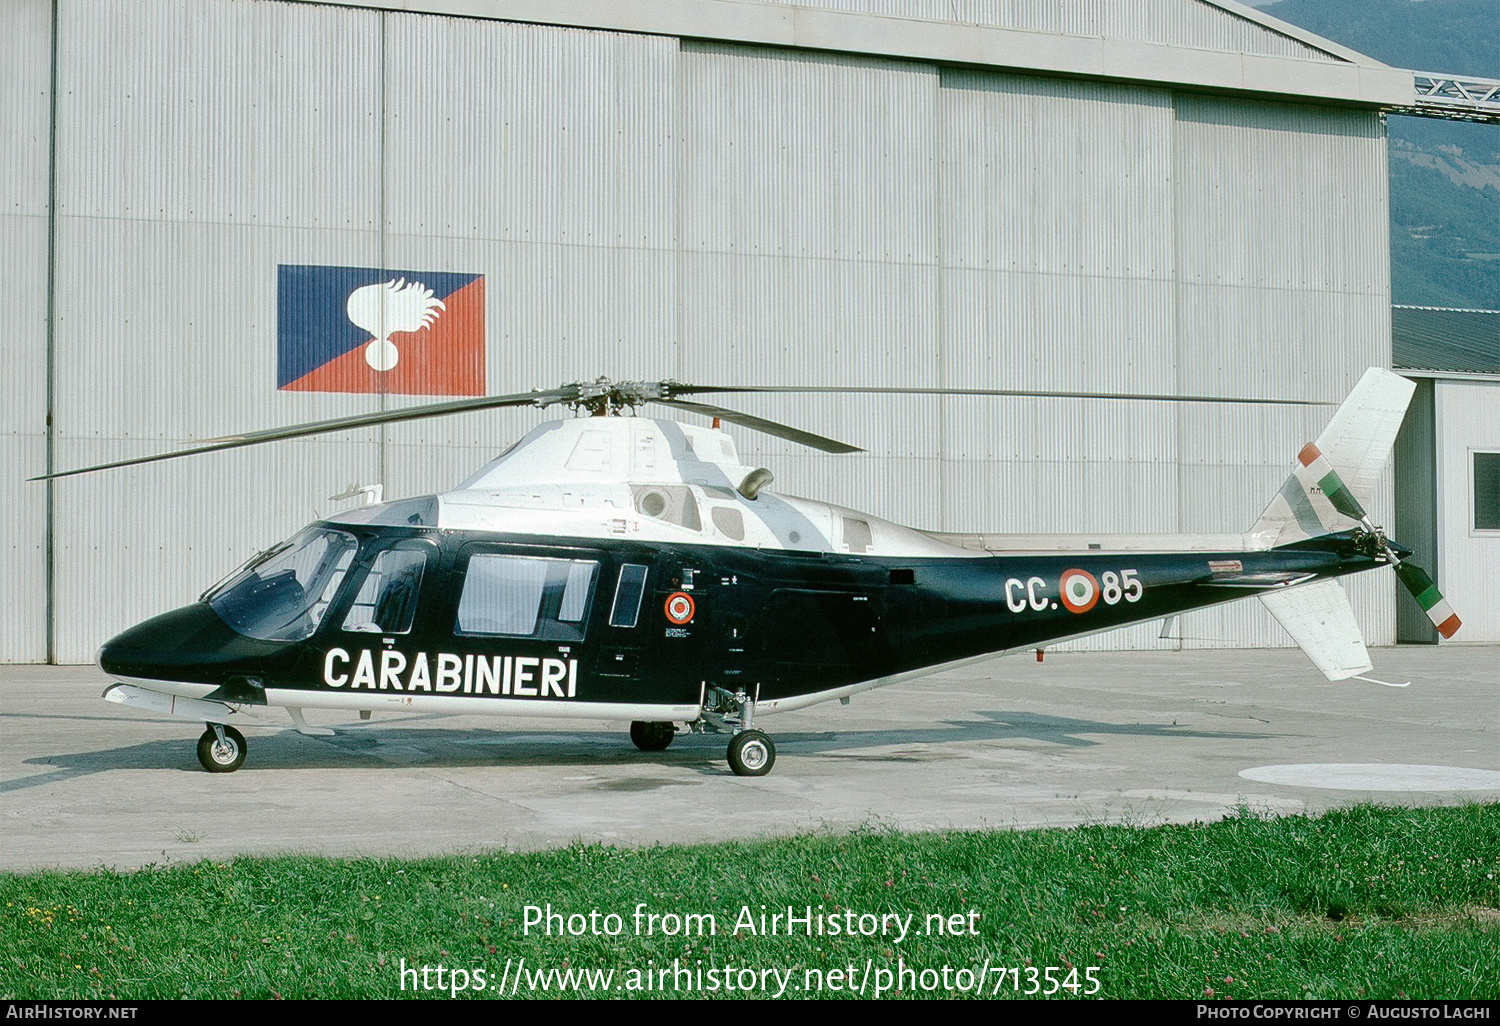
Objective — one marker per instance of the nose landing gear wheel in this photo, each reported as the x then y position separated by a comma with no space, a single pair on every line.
652,737
751,754
224,756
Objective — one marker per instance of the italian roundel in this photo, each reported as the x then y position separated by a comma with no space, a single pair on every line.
1079,590
367,329
680,607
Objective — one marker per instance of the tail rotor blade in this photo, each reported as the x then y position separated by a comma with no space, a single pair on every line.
1429,598
1317,468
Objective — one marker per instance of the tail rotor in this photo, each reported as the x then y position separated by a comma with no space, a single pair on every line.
1315,471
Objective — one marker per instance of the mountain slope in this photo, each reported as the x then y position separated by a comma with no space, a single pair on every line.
1445,176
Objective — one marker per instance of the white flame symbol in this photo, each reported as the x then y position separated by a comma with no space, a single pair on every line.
385,309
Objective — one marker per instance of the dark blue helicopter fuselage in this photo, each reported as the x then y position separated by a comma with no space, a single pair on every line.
618,623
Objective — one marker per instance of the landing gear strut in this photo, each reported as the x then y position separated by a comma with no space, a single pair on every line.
751,752
221,749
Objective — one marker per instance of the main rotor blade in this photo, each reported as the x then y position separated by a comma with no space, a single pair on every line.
318,427
673,388
769,427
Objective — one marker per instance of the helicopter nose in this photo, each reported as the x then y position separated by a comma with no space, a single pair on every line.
190,644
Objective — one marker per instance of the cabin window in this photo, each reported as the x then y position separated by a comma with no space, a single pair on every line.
387,600
575,597
283,595
526,596
628,594
1487,491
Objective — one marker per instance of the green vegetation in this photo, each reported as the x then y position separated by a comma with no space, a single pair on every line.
1445,240
1368,902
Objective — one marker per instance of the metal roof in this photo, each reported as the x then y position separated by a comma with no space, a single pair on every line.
1443,339
1218,46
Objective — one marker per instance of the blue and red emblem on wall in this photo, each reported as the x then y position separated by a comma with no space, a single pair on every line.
366,329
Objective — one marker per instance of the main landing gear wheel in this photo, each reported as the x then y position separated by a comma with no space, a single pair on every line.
224,756
652,737
751,754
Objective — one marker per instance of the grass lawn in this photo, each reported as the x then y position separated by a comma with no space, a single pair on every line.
1369,902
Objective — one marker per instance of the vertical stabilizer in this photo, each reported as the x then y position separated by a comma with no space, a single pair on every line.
1356,445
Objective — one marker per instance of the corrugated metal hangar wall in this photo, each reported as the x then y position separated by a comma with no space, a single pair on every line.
642,205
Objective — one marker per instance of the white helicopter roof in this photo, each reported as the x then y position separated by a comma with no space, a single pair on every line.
644,480
594,449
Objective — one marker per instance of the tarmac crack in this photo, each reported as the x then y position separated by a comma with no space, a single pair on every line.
472,790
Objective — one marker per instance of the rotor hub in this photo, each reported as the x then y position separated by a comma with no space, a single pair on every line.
1372,541
603,397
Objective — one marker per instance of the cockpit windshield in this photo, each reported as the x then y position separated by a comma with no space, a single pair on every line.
283,595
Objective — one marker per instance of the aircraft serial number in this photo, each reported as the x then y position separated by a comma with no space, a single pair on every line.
1077,590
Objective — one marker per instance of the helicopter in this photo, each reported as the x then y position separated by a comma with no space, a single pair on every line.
624,568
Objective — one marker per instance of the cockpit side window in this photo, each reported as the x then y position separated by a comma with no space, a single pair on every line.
526,596
387,600
283,597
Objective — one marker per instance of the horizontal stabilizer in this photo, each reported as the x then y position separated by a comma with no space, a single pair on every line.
1321,621
1267,579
